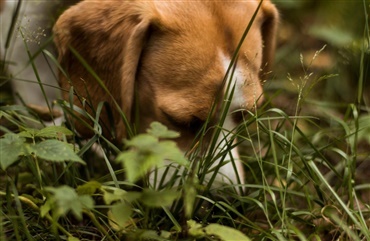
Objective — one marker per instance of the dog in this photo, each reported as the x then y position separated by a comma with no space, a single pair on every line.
1,5
166,61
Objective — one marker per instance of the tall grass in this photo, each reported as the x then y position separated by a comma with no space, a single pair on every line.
303,175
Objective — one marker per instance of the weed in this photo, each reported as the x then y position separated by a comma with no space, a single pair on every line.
307,168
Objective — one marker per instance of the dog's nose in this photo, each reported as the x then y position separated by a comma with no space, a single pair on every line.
241,107
253,93
247,96
257,97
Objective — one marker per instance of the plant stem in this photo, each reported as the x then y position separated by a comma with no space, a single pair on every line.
36,208
97,224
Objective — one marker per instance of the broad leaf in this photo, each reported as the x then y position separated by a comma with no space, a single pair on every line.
88,188
65,199
120,215
225,233
54,150
143,142
11,147
28,133
169,151
53,132
116,194
152,235
113,196
189,197
138,164
161,131
73,239
146,153
45,209
152,198
195,229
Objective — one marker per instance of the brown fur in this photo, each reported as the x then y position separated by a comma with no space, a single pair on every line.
161,57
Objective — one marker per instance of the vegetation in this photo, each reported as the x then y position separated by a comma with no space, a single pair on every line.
306,152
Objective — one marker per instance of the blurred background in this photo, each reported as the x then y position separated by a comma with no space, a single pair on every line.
342,29
319,92
323,61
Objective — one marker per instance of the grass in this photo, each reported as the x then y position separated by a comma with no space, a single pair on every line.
306,153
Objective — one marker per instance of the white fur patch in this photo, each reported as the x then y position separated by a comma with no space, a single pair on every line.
237,81
232,172
228,174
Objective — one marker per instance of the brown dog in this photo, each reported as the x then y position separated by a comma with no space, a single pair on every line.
165,61
1,5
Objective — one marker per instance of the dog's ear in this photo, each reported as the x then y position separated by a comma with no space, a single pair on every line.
1,5
269,27
109,36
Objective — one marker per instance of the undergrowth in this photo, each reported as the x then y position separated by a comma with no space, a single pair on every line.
307,175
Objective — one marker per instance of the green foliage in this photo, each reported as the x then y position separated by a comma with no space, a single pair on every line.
306,155
120,215
336,36
30,142
151,235
160,131
55,150
64,199
147,151
11,147
152,198
222,232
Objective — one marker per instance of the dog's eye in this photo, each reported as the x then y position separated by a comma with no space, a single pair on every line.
192,124
195,124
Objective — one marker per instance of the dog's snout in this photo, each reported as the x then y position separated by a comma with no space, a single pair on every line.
254,94
239,115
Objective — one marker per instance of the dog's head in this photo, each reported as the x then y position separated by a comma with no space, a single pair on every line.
164,60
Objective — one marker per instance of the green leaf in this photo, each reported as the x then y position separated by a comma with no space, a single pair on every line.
169,151
132,196
225,233
145,234
86,202
73,239
146,153
158,130
189,198
54,150
28,133
45,209
115,194
195,229
152,198
65,199
138,164
88,188
11,147
143,142
120,214
333,35
53,132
